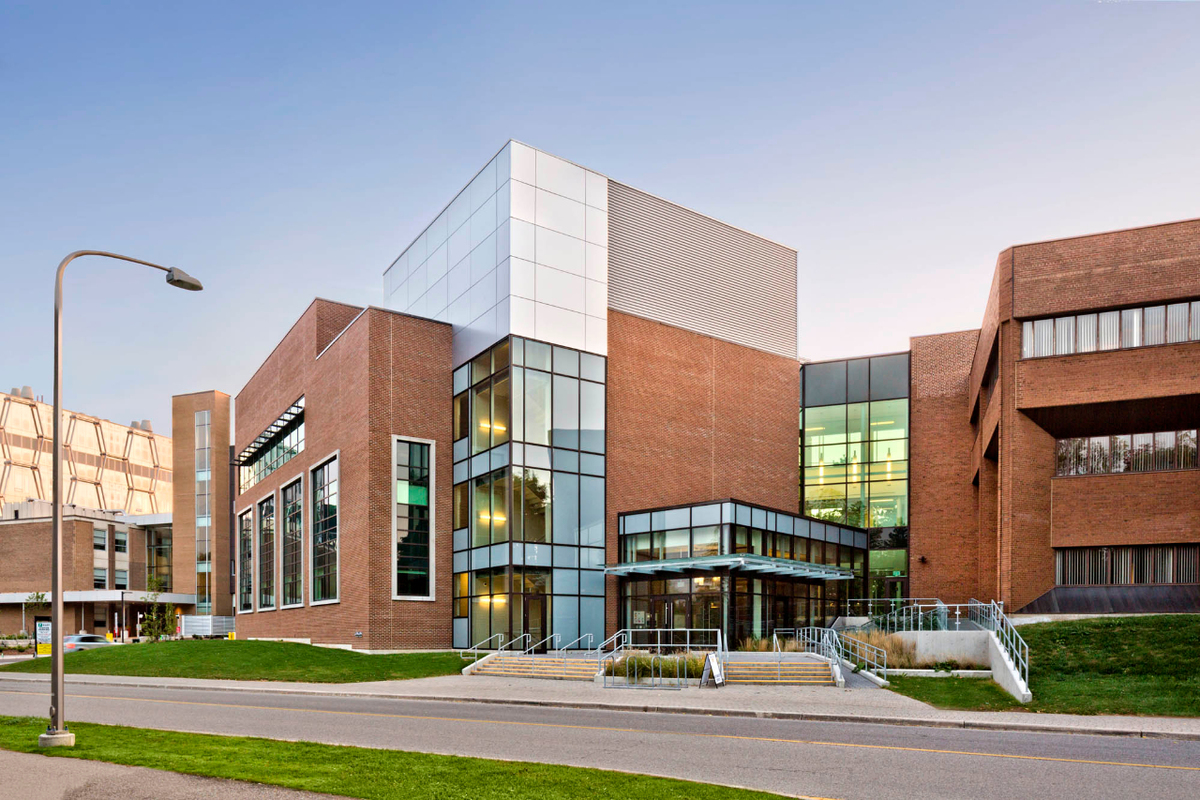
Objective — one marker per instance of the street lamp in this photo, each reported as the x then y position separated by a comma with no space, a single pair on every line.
56,732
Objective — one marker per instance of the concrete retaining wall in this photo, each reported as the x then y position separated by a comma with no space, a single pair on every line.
962,646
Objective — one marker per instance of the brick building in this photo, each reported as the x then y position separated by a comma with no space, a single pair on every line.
579,413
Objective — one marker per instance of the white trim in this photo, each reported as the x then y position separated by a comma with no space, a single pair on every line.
104,596
336,454
237,604
258,547
432,596
300,480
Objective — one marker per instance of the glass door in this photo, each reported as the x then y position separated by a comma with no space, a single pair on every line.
535,620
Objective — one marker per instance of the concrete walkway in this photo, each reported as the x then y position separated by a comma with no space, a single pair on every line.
34,777
817,703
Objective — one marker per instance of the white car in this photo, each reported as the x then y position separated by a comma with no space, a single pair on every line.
84,641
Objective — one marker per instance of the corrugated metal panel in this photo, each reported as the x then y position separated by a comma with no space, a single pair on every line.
672,265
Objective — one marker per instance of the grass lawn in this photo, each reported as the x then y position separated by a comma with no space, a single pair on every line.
353,771
1146,666
248,661
975,694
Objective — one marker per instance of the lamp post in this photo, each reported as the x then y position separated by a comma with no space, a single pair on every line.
56,732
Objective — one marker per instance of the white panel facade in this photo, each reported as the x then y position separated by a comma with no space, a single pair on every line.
521,250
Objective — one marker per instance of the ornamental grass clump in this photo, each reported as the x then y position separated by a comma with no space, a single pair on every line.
643,664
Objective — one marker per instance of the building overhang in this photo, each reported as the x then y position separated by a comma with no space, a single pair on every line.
745,562
105,596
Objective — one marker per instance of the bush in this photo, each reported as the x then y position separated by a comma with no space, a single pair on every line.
689,666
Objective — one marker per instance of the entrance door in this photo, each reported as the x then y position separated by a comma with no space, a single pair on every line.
893,588
535,619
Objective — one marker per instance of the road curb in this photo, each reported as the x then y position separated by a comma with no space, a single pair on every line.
798,716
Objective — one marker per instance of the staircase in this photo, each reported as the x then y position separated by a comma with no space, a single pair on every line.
790,672
550,667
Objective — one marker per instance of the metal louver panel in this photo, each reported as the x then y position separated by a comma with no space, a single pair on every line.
675,266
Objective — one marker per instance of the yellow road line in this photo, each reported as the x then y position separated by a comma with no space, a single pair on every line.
632,730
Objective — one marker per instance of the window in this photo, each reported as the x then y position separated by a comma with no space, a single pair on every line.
1128,565
292,498
1110,330
413,518
121,579
325,532
99,539
121,542
1139,452
246,562
99,578
282,441
158,555
266,554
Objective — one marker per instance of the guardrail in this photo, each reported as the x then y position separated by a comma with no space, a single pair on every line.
991,617
529,650
562,650
831,644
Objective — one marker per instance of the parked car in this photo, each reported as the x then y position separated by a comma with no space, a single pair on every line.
84,641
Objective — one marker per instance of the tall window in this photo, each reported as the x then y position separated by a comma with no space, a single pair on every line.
293,543
203,420
158,555
246,562
99,539
121,542
121,579
99,578
266,553
413,519
325,532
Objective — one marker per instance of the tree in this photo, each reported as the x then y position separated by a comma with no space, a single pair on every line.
35,602
158,621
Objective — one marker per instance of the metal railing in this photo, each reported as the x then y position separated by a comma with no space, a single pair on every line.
990,616
474,649
659,640
834,645
562,650
529,650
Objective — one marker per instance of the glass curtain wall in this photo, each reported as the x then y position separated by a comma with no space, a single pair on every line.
158,555
204,583
854,449
529,472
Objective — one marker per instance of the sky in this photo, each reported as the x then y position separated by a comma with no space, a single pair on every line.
282,151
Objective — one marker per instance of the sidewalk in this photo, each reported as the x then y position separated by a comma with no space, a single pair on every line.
35,777
811,703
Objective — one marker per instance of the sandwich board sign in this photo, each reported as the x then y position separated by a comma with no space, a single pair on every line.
43,637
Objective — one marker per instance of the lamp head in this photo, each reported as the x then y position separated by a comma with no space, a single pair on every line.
180,279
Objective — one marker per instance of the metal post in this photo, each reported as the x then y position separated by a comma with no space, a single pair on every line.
56,733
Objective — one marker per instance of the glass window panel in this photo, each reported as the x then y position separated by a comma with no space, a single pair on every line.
1154,322
858,426
591,511
1109,323
825,384
1086,330
566,362
676,543
1043,338
500,356
889,377
565,431
825,425
1195,323
1064,336
1027,339
324,528
535,494
889,419
1164,450
481,427
462,505
856,503
1120,458
706,541
517,351
858,376
591,367
1131,327
1142,455
1177,323
517,399
500,408
1099,452
537,355
481,367
500,512
826,502
566,508
481,521
591,417
891,469
1187,449
537,406
888,503
266,553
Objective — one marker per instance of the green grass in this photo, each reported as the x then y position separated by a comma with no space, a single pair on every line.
975,694
248,661
353,771
1147,666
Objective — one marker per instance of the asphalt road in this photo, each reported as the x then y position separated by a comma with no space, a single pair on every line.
843,760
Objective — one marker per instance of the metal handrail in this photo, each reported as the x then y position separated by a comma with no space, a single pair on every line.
475,648
532,647
991,616
568,645
519,638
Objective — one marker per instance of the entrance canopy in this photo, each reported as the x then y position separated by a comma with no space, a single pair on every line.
747,562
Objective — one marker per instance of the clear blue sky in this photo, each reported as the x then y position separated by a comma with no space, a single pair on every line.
282,151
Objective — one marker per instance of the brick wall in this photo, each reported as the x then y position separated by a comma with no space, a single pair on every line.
386,374
693,418
943,514
1132,508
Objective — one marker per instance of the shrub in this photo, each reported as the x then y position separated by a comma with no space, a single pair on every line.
689,666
